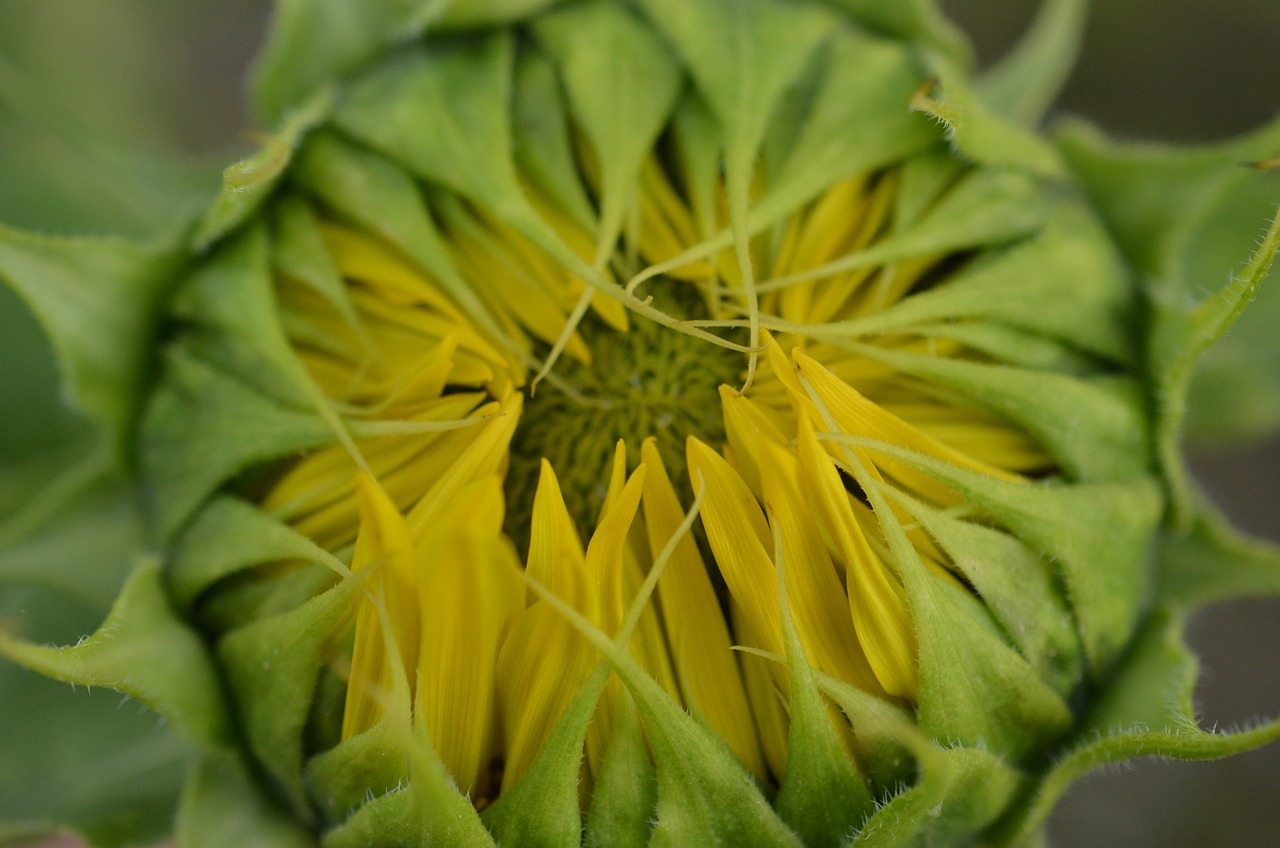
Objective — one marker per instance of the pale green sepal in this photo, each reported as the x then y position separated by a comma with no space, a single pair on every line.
248,183
1014,347
541,810
97,299
228,536
203,427
222,805
975,690
952,793
1146,711
625,794
1017,587
388,819
341,780
315,42
1215,562
988,208
1097,535
857,122
300,253
1027,80
231,295
891,747
705,795
397,818
1095,428
622,84
1067,283
146,652
426,810
981,135
543,149
823,798
443,113
1165,208
743,56
961,792
374,193
919,21
269,667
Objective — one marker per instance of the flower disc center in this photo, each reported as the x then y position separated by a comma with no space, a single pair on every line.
650,381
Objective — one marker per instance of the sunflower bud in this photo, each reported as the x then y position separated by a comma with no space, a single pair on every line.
674,423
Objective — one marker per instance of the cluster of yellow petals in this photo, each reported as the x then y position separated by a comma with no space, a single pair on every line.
446,604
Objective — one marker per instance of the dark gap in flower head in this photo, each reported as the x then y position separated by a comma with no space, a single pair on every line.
852,487
943,270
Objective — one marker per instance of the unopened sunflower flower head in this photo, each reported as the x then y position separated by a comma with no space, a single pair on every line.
671,422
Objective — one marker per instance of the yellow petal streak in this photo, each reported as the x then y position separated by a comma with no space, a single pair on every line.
710,681
468,590
384,544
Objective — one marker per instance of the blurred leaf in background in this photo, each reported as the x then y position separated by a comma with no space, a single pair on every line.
115,120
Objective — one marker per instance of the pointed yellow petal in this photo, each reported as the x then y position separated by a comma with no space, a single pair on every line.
384,543
706,667
877,601
738,535
470,591
813,587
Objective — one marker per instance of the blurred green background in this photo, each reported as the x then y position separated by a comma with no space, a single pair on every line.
158,85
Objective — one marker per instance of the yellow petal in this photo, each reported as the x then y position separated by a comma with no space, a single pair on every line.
877,601
384,543
706,667
470,591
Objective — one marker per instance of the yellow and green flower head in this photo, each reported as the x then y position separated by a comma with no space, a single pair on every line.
671,422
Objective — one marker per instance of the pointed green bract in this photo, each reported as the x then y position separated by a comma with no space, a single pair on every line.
343,778
114,775
98,301
203,427
1016,585
974,688
1162,204
267,663
624,797
1097,535
1029,78
226,537
1215,562
982,135
1148,711
247,184
541,810
823,797
146,652
543,149
622,86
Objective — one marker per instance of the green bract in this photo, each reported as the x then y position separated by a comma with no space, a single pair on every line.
959,400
